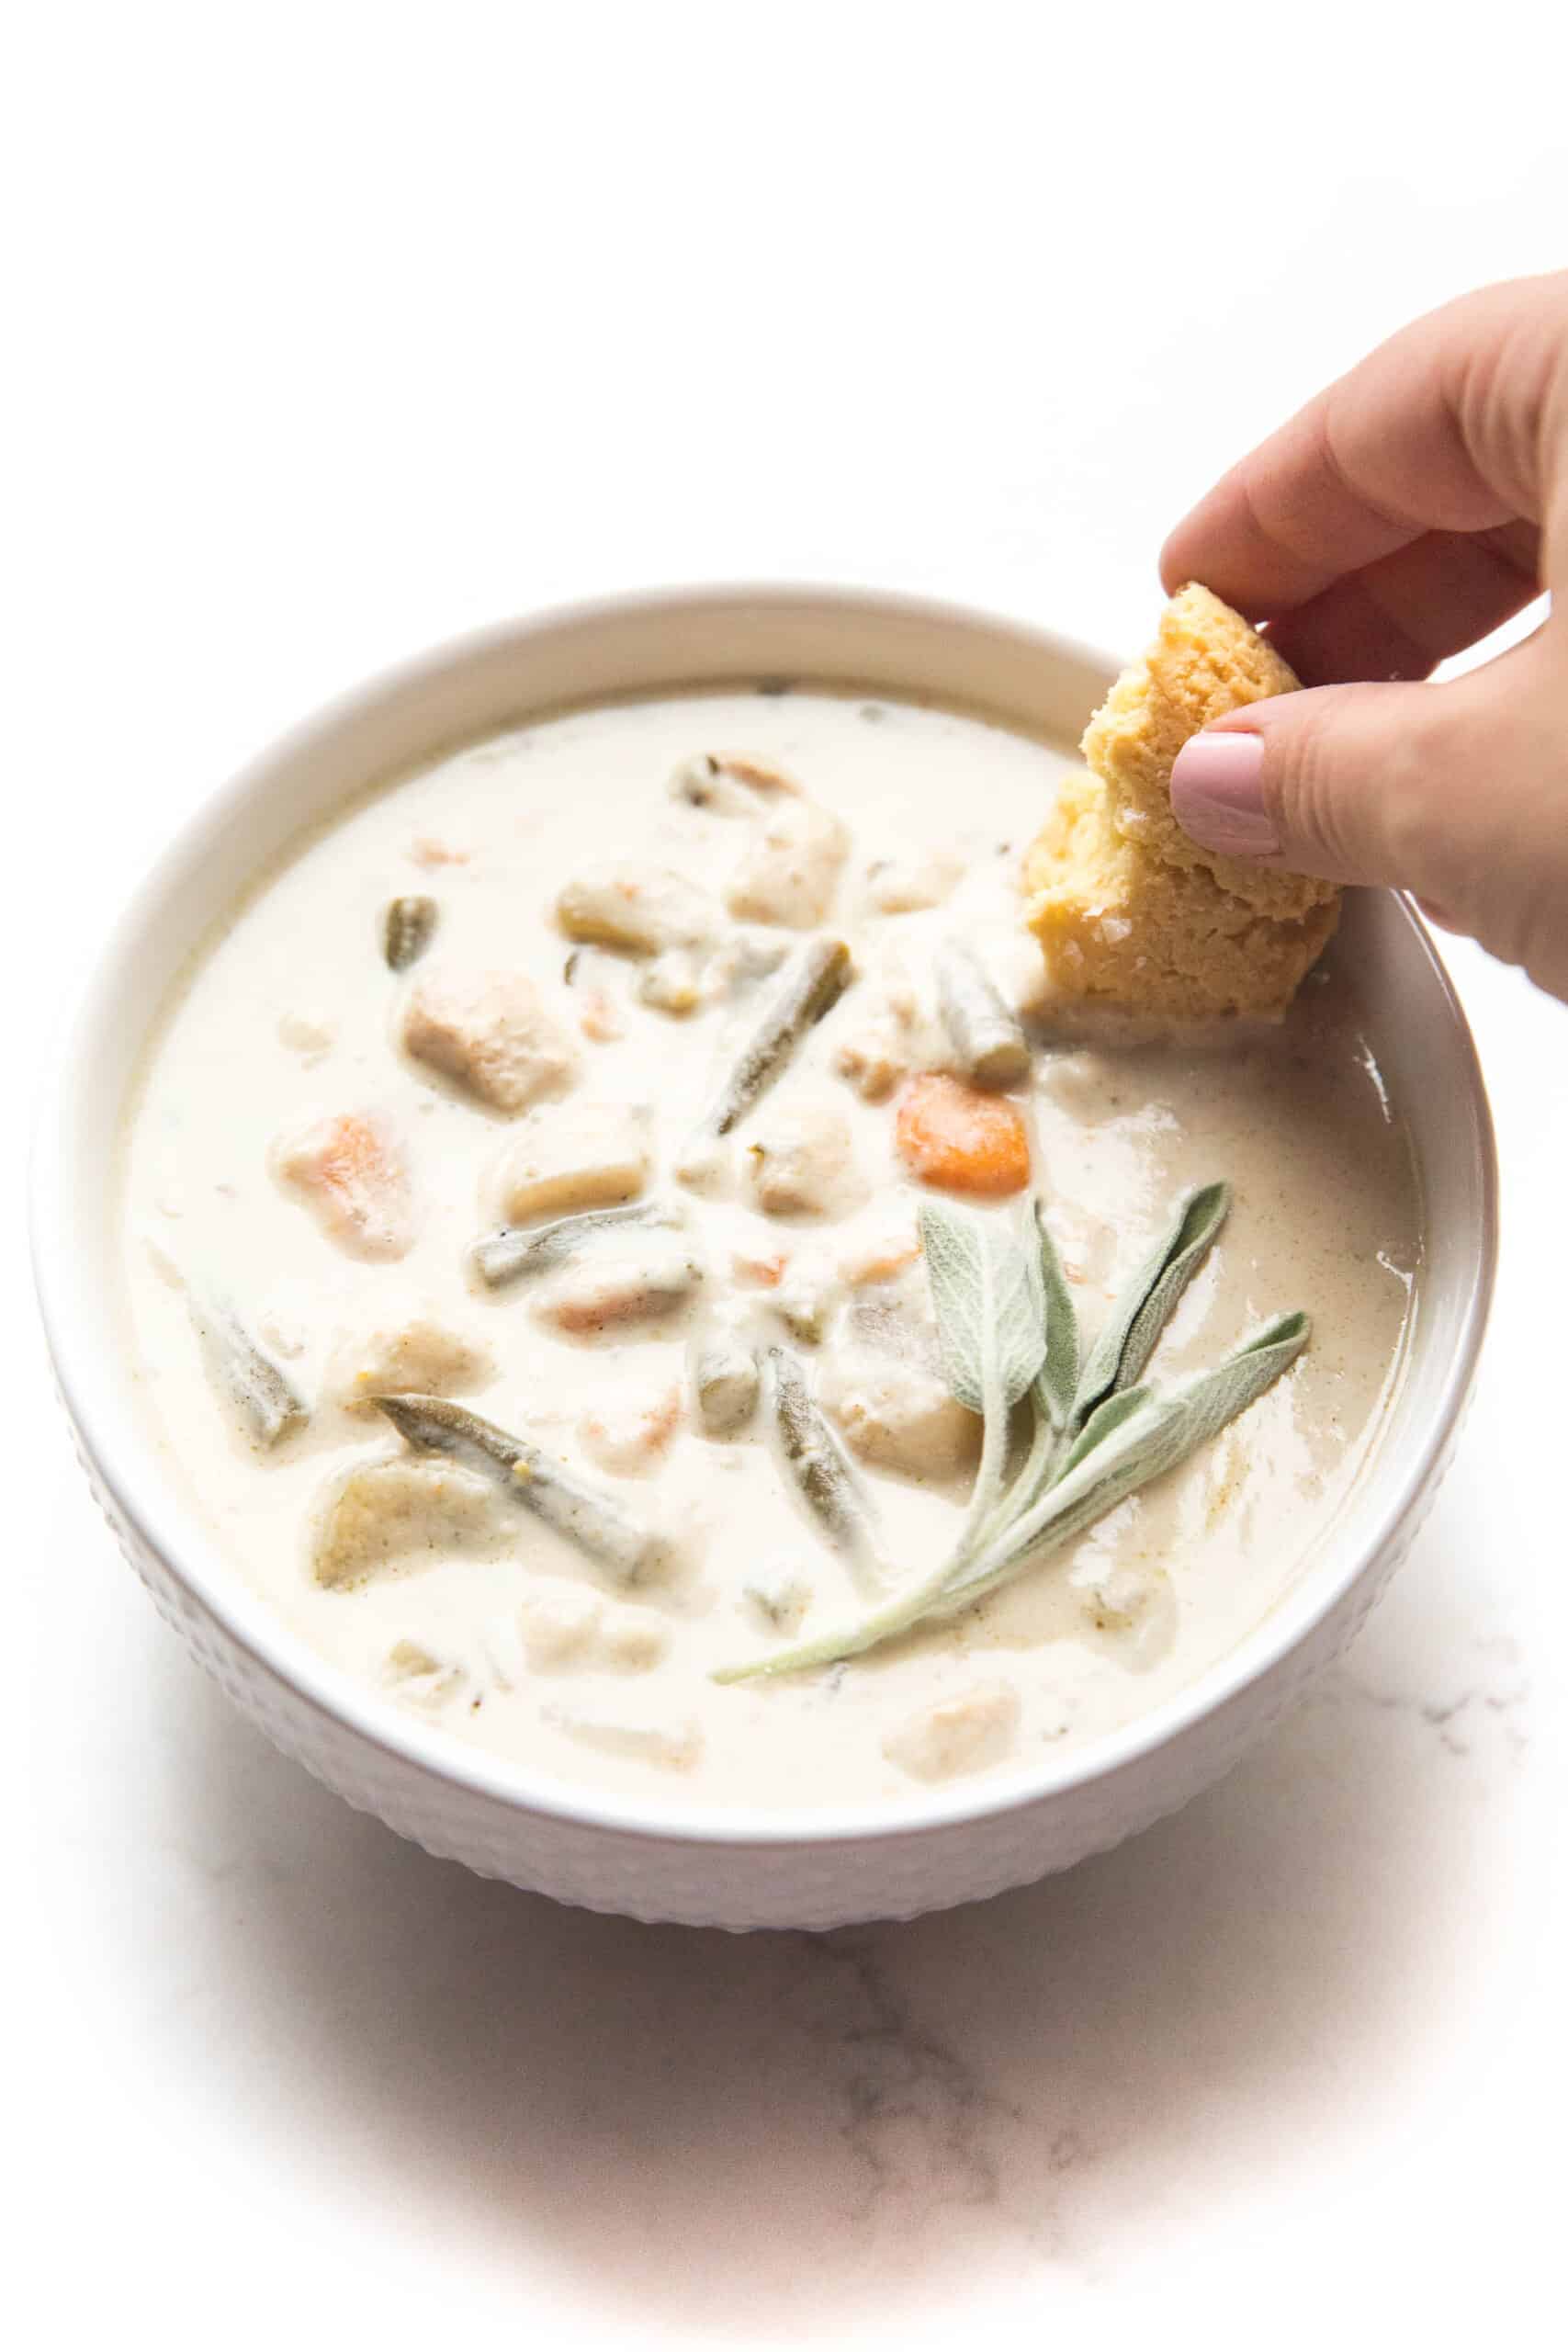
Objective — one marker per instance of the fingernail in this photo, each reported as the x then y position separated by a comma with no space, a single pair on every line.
1216,790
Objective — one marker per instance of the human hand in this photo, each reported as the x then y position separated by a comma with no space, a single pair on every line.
1401,514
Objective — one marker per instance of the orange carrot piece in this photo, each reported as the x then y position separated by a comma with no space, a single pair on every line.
352,1170
952,1134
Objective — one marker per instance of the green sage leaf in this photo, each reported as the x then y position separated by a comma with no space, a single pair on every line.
1131,1448
1058,1379
1139,1446
990,1310
1149,1300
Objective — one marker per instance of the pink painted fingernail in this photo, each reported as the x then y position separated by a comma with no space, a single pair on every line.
1216,790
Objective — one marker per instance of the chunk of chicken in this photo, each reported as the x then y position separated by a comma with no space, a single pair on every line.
350,1170
411,1353
789,873
644,909
675,1742
800,1158
491,1032
780,1593
558,1630
1129,1597
672,982
727,783
807,1296
873,1058
897,1415
631,1438
573,1156
573,1631
614,1283
309,1034
963,1734
420,1680
406,1512
631,1641
500,1646
902,886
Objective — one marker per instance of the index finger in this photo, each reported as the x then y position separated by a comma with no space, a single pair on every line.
1445,427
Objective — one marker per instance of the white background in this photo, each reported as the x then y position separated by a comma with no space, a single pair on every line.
334,330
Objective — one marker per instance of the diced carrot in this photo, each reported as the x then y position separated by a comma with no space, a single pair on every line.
766,1274
426,849
352,1170
952,1134
600,1019
879,1260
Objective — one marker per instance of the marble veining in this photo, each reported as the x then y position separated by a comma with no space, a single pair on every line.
918,2120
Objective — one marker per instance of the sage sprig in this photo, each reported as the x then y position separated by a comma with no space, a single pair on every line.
1008,1329
1150,1299
990,1314
1140,1443
1057,1385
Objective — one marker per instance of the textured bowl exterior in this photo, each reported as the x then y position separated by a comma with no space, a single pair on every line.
739,1872
799,1884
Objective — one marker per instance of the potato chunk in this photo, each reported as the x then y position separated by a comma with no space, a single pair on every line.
963,1734
789,872
576,1155
411,1353
898,1415
645,910
351,1171
800,1160
404,1513
490,1032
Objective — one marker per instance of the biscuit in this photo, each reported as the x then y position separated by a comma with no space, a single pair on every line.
1120,928
1204,661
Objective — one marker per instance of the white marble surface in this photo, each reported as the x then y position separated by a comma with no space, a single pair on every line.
352,333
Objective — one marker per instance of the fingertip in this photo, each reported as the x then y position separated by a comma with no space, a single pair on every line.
1175,568
1216,793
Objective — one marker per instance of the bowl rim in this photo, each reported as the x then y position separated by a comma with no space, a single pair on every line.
107,1425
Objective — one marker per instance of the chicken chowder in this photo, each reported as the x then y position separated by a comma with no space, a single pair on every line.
626,1263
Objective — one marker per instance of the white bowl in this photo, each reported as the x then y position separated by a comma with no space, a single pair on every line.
666,1860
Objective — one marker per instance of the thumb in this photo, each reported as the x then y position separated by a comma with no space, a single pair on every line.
1458,793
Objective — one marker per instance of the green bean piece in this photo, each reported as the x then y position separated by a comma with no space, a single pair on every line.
820,1470
238,1368
990,1045
593,1521
407,929
726,1381
515,1253
808,989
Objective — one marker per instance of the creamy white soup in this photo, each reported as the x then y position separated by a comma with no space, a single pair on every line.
531,1206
